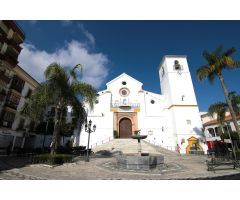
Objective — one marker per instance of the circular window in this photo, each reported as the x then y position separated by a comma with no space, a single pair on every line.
152,101
96,102
124,83
124,92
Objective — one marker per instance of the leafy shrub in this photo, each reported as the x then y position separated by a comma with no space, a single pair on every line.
115,134
52,159
136,132
234,135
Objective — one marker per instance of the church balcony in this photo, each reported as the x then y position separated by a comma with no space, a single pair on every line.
125,105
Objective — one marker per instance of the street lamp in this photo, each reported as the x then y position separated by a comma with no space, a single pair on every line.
88,129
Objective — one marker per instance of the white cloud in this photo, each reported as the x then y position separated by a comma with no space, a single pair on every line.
95,69
88,35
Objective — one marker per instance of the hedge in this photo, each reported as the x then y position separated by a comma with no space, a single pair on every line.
52,159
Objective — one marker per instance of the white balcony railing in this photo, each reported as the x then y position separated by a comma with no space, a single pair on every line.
125,104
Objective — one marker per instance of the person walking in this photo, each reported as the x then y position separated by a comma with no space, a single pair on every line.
178,150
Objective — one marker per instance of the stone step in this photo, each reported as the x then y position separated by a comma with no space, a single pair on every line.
127,146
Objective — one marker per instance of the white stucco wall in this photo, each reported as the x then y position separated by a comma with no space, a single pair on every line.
164,121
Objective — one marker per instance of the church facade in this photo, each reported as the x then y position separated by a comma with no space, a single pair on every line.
124,108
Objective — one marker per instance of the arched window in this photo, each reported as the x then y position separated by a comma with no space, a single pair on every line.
211,131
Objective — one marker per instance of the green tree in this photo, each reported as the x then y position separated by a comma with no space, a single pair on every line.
216,62
60,89
235,99
218,108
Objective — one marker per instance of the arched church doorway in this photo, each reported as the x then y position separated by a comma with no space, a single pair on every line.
125,128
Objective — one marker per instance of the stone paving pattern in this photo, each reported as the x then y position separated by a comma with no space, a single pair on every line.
180,167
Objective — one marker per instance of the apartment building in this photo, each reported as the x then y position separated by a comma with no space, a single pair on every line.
16,85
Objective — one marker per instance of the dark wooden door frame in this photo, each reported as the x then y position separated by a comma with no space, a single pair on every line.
125,128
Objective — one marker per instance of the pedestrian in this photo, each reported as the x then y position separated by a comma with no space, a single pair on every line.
178,150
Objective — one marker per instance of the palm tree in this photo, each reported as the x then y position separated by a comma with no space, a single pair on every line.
218,108
216,62
60,89
235,99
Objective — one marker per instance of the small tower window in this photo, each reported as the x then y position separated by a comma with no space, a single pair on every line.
96,102
163,72
189,122
124,83
177,66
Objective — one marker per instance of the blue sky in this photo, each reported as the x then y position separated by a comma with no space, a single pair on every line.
109,48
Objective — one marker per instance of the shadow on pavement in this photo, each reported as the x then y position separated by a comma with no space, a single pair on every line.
11,162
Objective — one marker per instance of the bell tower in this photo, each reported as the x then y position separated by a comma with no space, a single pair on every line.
176,82
181,106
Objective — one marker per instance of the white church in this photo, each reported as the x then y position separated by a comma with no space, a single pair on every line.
168,119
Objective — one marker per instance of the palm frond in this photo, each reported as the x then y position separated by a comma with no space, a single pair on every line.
218,108
72,72
229,51
86,91
204,71
218,51
209,57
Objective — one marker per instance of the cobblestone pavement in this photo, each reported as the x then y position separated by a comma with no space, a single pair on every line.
177,167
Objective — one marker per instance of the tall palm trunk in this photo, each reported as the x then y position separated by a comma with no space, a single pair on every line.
226,93
56,131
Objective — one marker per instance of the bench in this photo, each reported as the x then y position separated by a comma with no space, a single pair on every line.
220,161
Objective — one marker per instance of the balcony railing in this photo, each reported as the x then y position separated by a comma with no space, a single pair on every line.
6,124
4,77
11,104
17,84
9,59
125,105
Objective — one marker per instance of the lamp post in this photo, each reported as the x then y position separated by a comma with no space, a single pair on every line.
88,129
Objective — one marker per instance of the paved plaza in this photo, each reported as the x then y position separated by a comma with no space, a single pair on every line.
105,168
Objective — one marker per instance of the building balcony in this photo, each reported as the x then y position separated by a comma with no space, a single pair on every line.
4,77
6,124
17,84
11,24
12,52
9,59
11,104
16,87
125,105
17,38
